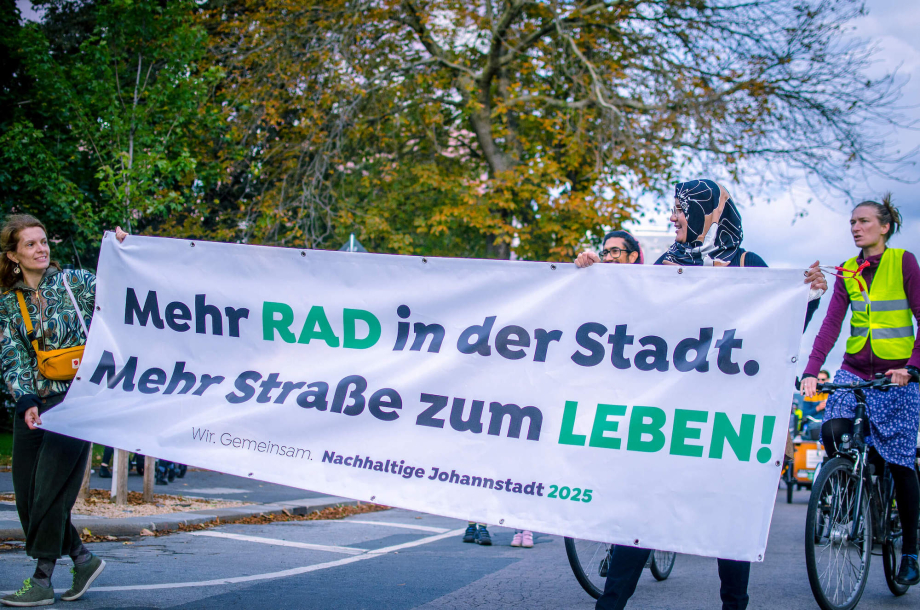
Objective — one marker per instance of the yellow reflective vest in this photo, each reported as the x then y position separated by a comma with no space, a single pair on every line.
887,317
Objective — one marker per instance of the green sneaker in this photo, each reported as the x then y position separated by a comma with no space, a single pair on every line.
83,577
31,594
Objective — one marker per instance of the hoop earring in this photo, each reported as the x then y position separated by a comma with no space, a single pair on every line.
17,270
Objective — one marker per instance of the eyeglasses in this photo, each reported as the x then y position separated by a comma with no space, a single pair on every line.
614,252
676,210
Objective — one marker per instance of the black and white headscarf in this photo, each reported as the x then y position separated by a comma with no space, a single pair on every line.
713,225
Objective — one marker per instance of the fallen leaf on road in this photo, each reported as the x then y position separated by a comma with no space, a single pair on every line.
86,532
147,532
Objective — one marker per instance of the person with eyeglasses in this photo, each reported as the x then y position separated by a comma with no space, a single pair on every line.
619,247
707,233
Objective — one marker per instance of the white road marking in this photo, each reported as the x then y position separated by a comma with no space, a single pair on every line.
273,575
214,490
346,550
423,528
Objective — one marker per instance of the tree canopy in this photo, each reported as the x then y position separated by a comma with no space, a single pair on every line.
441,127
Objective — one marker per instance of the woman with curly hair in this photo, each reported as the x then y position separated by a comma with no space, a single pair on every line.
44,309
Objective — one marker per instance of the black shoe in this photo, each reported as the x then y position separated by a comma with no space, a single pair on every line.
104,472
470,534
605,564
171,473
483,537
909,574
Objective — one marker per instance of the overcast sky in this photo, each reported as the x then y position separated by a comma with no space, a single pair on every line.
771,228
824,233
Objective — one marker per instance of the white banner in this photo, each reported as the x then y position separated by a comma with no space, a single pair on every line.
632,404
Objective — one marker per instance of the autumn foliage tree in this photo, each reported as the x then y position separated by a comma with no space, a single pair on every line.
485,128
478,127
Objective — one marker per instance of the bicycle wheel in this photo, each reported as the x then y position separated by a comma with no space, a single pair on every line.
837,561
891,552
662,564
589,564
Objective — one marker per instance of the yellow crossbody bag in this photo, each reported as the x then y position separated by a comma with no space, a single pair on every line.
57,364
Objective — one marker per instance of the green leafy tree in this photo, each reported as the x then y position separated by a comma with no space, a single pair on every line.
114,114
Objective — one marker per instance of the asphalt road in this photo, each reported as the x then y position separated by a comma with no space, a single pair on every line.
402,559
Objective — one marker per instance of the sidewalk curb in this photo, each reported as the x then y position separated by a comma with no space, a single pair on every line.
132,526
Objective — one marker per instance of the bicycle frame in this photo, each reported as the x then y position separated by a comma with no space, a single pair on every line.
857,449
861,454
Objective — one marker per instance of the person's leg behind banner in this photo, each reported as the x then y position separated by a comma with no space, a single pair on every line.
104,472
623,572
734,576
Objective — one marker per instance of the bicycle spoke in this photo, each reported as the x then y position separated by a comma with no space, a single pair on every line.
839,556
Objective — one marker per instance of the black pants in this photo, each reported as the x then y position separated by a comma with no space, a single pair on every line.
626,567
47,474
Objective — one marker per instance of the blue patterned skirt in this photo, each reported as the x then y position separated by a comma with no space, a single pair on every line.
894,416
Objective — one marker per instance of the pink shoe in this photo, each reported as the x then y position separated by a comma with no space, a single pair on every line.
526,540
518,538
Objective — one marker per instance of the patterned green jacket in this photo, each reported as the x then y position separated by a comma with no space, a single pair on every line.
54,321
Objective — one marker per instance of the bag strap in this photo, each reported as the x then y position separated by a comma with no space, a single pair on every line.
75,306
30,333
743,254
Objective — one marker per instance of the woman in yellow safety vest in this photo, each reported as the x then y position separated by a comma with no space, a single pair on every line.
884,300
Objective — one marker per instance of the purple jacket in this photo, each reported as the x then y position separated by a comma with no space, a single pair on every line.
864,363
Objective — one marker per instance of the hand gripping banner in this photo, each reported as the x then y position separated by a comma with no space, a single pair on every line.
622,403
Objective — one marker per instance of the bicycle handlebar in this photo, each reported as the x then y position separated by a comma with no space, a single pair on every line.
881,382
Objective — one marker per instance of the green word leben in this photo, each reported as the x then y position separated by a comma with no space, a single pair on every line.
646,429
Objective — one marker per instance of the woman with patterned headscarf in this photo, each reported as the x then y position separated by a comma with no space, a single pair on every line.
708,228
707,233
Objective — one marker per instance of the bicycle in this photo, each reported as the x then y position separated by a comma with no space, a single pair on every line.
850,511
589,561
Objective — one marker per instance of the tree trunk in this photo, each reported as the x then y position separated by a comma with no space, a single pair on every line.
150,464
120,478
84,486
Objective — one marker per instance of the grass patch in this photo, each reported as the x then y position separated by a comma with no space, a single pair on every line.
6,448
